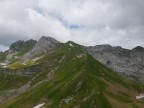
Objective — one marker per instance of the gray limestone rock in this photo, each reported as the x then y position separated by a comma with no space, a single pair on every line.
44,45
129,63
21,45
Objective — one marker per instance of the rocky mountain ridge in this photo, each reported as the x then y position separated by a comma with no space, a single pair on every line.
129,63
16,51
23,51
76,80
65,75
21,45
44,45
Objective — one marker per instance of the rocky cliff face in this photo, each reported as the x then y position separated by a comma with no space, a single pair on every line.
129,63
17,50
20,45
44,45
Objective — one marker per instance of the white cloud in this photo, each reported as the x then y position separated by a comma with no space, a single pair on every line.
87,22
83,12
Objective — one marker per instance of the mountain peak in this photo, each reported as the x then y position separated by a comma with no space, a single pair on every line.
138,48
20,45
46,40
44,45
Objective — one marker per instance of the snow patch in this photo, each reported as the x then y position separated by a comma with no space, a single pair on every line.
140,96
79,56
71,45
3,64
24,64
39,105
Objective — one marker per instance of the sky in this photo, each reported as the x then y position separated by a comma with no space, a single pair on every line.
87,22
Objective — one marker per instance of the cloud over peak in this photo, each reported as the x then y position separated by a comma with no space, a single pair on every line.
87,22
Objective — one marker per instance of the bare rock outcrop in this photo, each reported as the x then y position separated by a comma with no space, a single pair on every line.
21,45
44,45
129,63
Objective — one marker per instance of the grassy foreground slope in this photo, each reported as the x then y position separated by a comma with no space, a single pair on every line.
8,82
80,81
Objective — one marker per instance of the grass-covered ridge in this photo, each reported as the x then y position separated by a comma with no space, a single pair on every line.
87,83
76,80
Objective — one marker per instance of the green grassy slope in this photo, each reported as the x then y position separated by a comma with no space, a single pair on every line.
79,81
12,81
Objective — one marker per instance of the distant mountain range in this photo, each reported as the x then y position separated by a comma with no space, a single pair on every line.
69,75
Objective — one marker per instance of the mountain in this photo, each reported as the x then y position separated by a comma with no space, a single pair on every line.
44,45
22,45
16,51
65,75
129,63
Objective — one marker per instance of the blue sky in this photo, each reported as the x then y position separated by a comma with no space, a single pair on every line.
87,22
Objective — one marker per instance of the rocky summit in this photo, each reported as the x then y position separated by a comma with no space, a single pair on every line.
50,74
16,51
44,45
20,45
